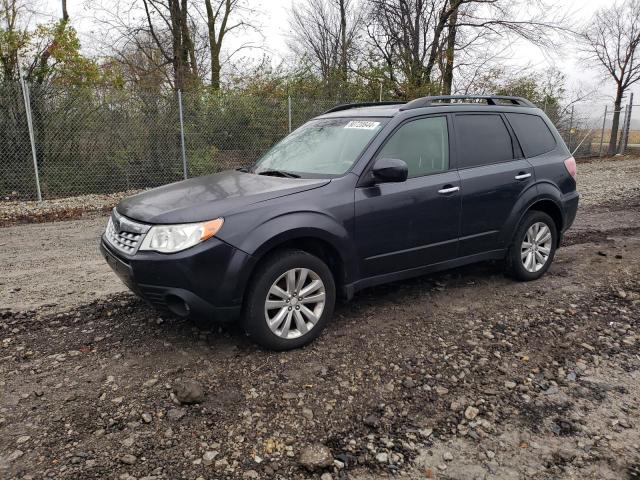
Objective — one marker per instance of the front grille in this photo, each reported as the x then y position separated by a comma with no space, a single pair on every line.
125,235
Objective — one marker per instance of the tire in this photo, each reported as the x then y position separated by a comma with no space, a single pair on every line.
521,258
299,312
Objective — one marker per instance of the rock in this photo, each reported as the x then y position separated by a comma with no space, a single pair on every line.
447,456
176,413
150,383
371,421
307,413
146,417
315,457
188,392
408,382
510,385
442,390
471,412
128,459
382,457
23,439
209,457
250,474
587,346
326,476
16,454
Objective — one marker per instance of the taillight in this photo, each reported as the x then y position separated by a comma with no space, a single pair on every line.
570,165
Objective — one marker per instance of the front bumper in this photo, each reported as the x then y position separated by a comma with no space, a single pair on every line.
209,278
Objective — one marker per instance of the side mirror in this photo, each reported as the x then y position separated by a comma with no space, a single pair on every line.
390,170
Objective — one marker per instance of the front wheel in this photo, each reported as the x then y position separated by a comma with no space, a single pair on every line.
533,247
289,301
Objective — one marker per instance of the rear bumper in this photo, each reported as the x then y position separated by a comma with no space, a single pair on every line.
205,281
570,209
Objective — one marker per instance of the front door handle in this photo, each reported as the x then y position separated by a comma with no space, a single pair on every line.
522,176
448,189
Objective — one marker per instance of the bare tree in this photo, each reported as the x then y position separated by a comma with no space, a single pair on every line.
611,40
415,36
407,34
325,32
219,24
173,17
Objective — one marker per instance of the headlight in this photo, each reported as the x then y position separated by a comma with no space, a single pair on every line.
174,238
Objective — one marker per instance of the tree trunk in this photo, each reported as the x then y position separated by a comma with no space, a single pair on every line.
215,40
176,38
215,67
343,40
613,140
447,76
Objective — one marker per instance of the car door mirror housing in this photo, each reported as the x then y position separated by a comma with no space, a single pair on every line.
390,170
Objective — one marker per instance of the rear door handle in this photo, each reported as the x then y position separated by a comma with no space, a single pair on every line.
522,176
448,189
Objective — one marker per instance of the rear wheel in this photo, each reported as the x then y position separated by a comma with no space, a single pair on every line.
290,300
533,247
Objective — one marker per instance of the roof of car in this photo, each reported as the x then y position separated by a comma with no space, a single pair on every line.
438,103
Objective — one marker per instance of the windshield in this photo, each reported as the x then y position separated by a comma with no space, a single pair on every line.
326,147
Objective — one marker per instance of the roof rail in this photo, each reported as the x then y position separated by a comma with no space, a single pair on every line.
490,99
347,106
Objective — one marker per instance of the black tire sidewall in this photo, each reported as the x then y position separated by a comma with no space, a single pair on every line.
516,267
273,267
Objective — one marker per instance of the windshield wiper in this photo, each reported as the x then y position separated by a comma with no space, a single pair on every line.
279,173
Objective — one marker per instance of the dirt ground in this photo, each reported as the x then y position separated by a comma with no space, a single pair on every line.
460,375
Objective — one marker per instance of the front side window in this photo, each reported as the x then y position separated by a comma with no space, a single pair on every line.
483,139
324,147
423,144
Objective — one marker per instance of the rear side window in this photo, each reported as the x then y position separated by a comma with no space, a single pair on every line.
423,144
482,140
533,133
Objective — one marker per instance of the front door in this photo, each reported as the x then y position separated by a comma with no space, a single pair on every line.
404,225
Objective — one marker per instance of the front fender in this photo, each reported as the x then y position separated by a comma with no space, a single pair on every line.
269,233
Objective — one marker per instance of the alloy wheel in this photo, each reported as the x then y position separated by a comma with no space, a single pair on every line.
295,303
536,247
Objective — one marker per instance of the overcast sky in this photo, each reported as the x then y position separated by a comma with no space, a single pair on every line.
273,16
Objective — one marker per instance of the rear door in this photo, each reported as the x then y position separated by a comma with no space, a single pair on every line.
493,175
413,223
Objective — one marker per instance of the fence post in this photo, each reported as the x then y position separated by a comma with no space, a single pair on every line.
604,120
289,111
184,153
622,130
626,134
27,108
571,126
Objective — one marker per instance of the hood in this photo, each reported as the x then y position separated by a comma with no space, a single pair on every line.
210,197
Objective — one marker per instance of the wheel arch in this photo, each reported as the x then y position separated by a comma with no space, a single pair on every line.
326,239
545,198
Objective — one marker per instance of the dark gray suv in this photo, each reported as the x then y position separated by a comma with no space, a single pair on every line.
361,195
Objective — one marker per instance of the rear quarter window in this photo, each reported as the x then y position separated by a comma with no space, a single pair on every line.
533,133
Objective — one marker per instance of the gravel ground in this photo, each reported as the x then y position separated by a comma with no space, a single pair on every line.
14,212
460,375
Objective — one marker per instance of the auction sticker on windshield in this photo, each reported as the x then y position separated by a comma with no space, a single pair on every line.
362,124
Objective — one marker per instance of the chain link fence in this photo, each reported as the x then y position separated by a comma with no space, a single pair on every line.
105,140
